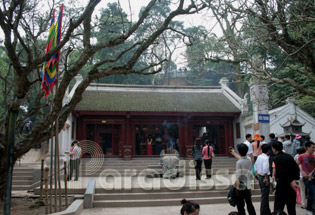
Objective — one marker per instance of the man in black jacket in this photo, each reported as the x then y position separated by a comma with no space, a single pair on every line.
272,155
287,172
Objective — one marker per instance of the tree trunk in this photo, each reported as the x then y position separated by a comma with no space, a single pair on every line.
3,161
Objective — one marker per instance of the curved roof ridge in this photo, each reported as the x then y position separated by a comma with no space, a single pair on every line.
152,86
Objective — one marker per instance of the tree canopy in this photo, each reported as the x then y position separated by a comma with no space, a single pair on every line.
279,33
96,46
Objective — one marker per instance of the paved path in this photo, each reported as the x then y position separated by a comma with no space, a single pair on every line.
214,209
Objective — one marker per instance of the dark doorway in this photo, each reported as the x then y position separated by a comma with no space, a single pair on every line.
213,133
106,143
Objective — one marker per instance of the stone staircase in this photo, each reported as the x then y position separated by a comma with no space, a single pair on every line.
162,197
140,166
143,191
22,178
203,192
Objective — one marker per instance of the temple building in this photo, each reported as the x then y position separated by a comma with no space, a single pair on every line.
127,121
139,121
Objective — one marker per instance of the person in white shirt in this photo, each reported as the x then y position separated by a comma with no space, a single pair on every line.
263,172
76,155
249,145
263,139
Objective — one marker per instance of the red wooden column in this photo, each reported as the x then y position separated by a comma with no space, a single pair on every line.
188,133
80,128
127,147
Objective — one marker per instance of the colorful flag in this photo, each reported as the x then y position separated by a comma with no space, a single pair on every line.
50,67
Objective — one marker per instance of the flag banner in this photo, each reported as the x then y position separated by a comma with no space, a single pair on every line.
50,67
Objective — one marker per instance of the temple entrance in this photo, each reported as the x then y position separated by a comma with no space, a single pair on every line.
107,136
213,133
106,143
145,137
150,139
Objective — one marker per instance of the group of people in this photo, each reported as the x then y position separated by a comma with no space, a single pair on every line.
202,152
273,163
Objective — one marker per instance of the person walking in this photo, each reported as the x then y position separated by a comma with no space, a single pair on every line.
301,182
263,139
243,181
307,161
288,146
297,141
287,172
256,146
248,143
272,155
263,172
208,154
76,153
71,162
197,156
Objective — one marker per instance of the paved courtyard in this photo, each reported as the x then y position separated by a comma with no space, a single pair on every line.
211,209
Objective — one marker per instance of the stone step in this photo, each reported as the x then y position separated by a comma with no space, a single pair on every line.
110,172
22,182
165,195
172,189
24,170
20,187
22,174
187,168
147,162
165,202
21,178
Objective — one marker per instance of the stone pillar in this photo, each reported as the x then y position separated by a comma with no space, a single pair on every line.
259,98
292,108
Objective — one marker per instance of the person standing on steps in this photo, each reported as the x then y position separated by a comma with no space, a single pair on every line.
197,156
76,153
263,172
307,162
256,145
287,172
301,182
288,146
272,155
297,142
248,143
71,163
208,154
243,181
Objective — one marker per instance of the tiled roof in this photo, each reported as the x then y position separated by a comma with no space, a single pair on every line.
292,122
156,99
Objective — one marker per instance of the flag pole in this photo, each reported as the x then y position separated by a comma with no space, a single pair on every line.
57,146
51,167
55,172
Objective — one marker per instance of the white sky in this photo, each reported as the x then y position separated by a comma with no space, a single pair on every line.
202,18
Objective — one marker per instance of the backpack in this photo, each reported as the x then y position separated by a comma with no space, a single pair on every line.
232,196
